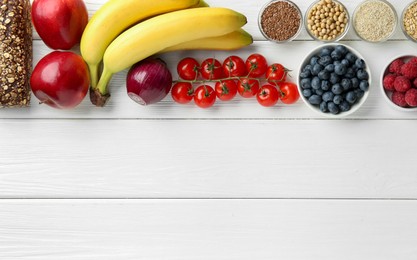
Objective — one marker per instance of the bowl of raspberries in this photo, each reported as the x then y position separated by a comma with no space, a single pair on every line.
334,80
399,83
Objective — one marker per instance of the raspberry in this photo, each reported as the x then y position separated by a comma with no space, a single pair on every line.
409,70
413,60
415,83
398,98
395,66
411,97
389,82
402,84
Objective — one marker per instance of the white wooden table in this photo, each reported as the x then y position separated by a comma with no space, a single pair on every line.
237,181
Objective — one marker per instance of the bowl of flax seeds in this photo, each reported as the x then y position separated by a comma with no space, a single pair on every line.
280,21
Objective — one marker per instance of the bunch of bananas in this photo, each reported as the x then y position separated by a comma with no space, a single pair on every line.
122,33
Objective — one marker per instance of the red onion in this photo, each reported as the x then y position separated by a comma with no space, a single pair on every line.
148,81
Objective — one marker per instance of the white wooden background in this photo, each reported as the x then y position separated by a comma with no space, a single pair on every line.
237,181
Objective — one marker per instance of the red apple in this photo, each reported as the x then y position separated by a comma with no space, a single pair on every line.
60,23
60,80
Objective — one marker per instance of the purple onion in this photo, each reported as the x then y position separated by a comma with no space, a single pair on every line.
148,81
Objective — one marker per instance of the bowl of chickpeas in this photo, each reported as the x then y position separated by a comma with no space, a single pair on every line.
327,20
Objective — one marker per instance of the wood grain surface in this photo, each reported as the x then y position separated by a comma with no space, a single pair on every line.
237,181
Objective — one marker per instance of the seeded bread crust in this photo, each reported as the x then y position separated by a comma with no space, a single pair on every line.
16,53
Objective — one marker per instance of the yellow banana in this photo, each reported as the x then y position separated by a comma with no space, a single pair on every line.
113,18
231,41
160,32
202,4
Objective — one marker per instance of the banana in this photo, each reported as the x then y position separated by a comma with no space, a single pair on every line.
202,4
231,41
160,32
113,18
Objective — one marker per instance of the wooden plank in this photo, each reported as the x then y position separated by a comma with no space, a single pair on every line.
207,159
205,230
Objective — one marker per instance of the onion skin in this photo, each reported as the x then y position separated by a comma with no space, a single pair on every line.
148,81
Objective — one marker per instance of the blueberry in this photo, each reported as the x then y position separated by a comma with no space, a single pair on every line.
308,67
342,49
329,68
319,92
336,55
323,107
315,100
314,60
350,73
316,69
337,89
364,85
307,93
334,78
344,106
325,85
306,83
337,62
355,82
355,68
337,99
351,97
359,93
328,96
316,83
345,62
305,74
362,74
351,58
324,75
325,60
326,51
333,108
340,69
346,84
359,63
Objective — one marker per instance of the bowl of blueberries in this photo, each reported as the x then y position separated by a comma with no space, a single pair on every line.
334,80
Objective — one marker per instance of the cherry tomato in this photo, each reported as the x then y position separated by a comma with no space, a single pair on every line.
204,96
248,88
256,65
182,92
188,68
234,66
226,89
211,69
275,73
289,92
268,95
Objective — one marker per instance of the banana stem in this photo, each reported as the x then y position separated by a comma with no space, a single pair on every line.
94,72
99,95
104,81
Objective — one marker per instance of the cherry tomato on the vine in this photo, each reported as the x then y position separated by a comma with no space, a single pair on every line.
275,73
234,66
182,92
248,88
226,89
204,96
188,68
268,95
211,69
256,65
289,92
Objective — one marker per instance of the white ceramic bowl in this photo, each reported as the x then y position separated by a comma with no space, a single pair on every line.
387,94
316,109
